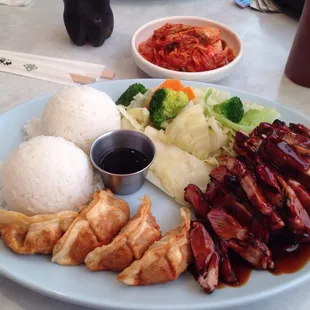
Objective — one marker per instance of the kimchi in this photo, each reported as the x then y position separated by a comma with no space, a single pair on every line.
186,48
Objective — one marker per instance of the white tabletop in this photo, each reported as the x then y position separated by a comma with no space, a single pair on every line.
39,29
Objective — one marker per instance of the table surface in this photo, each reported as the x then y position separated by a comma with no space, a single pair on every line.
39,29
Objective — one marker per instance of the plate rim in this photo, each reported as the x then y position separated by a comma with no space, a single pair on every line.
222,87
244,300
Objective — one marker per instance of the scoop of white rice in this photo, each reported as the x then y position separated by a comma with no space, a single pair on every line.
47,175
80,114
32,128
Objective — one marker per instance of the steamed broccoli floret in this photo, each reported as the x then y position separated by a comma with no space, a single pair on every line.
231,108
134,89
166,104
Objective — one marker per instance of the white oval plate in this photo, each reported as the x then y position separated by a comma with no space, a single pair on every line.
101,289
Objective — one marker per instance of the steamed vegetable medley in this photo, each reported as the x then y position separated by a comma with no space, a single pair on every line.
196,124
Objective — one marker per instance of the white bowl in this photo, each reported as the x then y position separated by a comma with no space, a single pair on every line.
146,31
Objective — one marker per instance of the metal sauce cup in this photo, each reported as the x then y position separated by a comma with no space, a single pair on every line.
122,184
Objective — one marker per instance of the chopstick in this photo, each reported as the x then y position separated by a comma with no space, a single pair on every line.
107,74
82,79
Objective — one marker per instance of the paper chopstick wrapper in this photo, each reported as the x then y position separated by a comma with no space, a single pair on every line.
78,67
61,71
37,71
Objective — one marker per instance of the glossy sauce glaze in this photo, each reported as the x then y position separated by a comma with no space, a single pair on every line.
288,259
123,161
241,268
290,154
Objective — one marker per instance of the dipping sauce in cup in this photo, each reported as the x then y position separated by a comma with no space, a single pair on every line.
124,161
123,158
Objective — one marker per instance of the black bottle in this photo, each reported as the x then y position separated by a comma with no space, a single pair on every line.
88,21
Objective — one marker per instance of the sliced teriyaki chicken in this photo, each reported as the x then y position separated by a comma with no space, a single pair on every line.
240,240
165,260
297,217
130,244
247,181
201,208
34,234
207,258
95,226
301,192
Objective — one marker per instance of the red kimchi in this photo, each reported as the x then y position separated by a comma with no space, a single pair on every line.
186,48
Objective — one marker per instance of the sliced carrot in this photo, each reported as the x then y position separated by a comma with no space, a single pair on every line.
178,86
172,84
188,90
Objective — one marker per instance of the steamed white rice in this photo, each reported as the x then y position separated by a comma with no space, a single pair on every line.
79,114
47,175
32,128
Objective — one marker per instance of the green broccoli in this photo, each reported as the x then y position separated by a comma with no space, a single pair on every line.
166,104
231,108
134,89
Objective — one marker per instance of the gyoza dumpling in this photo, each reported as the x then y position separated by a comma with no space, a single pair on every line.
165,260
130,244
34,234
95,226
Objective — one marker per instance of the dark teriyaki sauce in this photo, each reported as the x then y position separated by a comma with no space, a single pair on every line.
288,259
123,161
241,268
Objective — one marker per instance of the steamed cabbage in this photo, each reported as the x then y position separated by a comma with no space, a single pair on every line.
215,96
251,119
128,119
141,100
192,132
141,115
126,125
253,116
136,118
175,168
